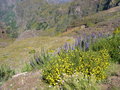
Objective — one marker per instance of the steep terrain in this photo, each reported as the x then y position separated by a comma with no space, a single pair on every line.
18,52
57,15
35,25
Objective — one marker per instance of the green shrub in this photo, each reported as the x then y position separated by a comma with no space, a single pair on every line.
89,63
27,68
79,82
5,73
37,62
112,44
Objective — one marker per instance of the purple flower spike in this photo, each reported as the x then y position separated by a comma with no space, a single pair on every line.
86,46
73,48
93,35
79,41
76,43
88,38
84,35
65,47
58,51
100,35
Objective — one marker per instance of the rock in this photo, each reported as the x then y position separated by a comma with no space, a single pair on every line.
20,74
83,26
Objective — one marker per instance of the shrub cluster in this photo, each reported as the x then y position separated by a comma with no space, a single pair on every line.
89,57
79,82
89,63
112,44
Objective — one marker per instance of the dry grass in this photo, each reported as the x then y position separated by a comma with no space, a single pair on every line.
5,42
17,53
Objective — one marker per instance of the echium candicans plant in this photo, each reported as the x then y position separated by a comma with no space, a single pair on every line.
83,43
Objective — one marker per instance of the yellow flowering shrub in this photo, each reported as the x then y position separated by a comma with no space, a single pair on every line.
94,64
67,63
56,68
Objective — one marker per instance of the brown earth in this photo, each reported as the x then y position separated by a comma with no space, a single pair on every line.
24,81
33,81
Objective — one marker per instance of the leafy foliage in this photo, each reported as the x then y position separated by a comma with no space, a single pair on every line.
38,62
5,73
8,17
42,15
112,44
89,63
79,82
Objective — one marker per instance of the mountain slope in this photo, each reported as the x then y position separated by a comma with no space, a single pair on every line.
18,53
43,15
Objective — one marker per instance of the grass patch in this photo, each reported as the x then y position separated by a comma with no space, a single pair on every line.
5,73
18,53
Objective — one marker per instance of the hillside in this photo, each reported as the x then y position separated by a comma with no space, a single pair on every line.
101,22
57,15
59,44
18,53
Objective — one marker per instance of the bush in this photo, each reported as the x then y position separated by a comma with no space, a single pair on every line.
38,62
27,68
112,44
5,73
79,82
89,63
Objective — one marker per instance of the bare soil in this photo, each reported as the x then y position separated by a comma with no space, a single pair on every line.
24,81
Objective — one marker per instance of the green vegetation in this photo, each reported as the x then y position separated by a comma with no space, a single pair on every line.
100,17
65,63
38,62
112,44
5,73
41,15
20,52
79,82
78,68
88,63
8,17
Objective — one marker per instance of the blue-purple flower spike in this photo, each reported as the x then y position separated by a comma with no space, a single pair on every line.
93,35
86,46
72,48
88,38
58,51
66,47
100,35
76,43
